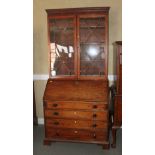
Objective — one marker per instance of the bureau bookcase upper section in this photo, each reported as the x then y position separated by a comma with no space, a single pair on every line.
78,43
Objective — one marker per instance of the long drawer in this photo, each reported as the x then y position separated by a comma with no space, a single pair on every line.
76,105
76,134
73,123
98,115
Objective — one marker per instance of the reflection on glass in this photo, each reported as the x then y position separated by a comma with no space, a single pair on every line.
93,52
62,51
92,60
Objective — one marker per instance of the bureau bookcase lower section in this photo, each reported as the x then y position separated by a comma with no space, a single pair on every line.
77,114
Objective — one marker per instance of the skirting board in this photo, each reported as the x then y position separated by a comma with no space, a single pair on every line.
45,77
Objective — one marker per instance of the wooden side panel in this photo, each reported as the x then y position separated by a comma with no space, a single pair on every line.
118,110
118,94
120,80
119,67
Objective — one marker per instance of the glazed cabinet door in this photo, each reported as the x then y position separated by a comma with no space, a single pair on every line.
92,46
62,42
78,46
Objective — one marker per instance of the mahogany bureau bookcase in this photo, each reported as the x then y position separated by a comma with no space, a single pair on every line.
76,94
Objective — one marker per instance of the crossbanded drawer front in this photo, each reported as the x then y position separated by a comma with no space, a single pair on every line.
98,115
71,123
77,105
75,134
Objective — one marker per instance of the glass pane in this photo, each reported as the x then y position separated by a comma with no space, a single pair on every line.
92,37
62,46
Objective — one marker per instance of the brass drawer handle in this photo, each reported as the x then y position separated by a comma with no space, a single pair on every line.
55,113
94,115
94,125
94,106
56,123
55,105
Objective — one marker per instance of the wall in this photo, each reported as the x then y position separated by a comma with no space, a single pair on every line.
40,54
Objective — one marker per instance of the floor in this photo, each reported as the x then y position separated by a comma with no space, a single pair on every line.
65,148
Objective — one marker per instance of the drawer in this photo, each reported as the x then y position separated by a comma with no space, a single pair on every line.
76,105
75,134
73,123
98,115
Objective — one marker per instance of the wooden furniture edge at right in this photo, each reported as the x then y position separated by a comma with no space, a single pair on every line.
116,94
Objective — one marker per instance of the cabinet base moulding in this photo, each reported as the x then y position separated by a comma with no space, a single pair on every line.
105,145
